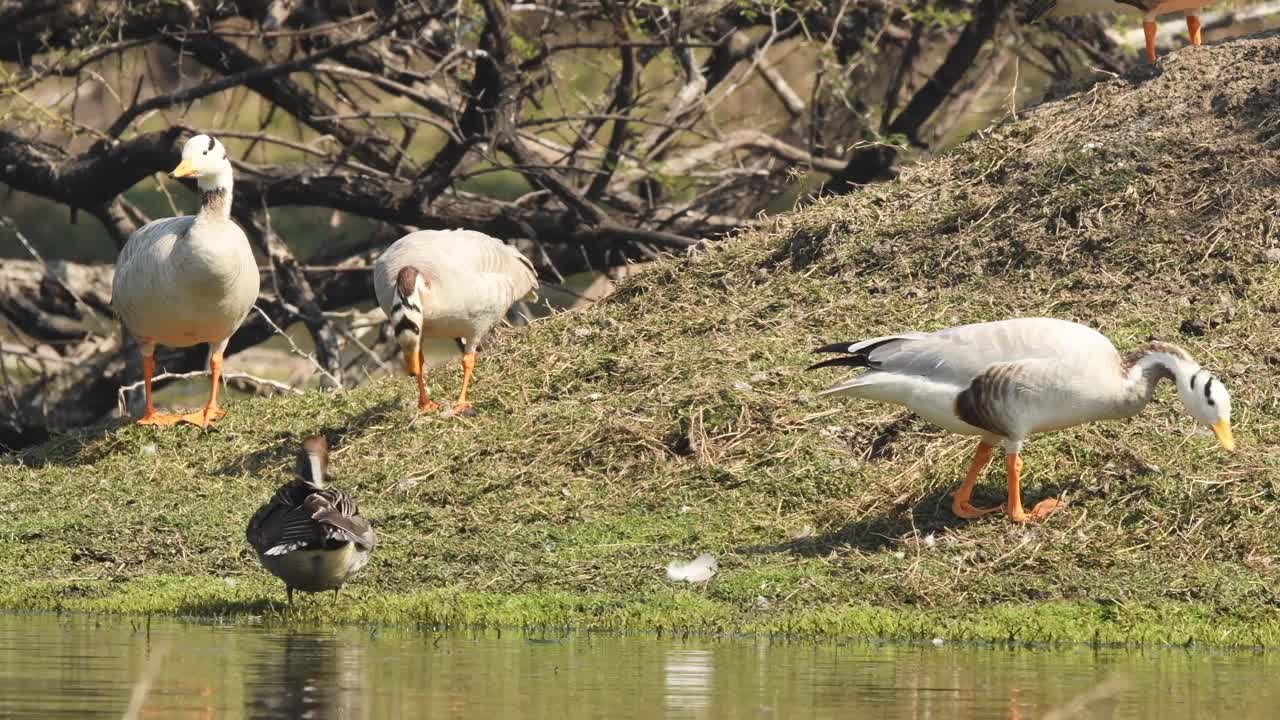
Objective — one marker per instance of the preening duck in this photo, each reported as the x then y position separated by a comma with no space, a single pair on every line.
187,280
448,284
1005,380
1149,9
310,535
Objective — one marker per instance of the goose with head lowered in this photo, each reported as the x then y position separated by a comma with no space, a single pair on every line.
1037,10
311,535
1006,380
452,284
187,280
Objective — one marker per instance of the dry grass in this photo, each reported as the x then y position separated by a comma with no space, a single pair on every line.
676,418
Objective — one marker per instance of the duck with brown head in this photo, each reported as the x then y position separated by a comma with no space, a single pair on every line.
311,535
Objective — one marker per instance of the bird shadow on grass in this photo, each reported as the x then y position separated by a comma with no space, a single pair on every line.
883,531
280,451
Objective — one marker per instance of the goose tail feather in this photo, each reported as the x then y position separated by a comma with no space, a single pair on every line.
858,354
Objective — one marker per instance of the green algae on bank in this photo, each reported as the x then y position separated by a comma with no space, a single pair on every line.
681,611
676,418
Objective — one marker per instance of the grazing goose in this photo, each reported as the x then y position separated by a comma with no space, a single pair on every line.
1149,9
187,280
448,284
1005,380
311,536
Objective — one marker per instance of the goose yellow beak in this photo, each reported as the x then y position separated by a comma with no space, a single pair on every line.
184,169
413,362
1222,429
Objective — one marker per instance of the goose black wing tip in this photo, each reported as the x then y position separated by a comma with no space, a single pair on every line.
839,347
844,361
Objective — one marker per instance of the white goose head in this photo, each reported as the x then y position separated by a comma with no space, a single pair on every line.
205,159
1203,395
406,316
1208,401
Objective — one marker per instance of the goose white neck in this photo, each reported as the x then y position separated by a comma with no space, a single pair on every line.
1147,366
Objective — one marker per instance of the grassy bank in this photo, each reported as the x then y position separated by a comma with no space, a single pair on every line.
676,418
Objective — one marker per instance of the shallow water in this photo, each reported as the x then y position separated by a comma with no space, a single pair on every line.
82,667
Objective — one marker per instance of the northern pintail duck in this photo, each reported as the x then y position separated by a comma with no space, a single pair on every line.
311,535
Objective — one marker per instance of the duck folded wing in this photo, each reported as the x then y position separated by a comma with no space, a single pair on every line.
339,518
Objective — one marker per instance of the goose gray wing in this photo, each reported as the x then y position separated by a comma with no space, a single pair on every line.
955,356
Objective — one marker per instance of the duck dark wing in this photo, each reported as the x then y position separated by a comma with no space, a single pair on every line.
340,518
296,530
267,524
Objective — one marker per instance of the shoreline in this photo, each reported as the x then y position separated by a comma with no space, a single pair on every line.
682,612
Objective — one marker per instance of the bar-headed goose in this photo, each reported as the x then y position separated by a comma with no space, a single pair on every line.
188,280
1148,9
310,535
1005,380
448,284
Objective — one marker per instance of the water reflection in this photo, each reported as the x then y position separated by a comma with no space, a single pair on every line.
78,667
687,679
305,675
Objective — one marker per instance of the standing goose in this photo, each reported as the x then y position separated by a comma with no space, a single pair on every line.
1005,380
187,280
448,284
1149,9
311,536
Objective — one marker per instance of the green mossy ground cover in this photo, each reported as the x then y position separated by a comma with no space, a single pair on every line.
677,418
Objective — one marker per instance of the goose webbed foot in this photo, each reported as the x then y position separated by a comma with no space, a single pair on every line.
1042,510
203,418
160,419
967,511
427,405
1013,506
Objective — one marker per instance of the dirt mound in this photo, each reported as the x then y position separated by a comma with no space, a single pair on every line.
1167,177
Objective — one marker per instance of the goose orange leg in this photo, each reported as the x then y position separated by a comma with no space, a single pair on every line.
960,498
1149,29
1193,29
468,365
211,411
425,403
149,414
1013,506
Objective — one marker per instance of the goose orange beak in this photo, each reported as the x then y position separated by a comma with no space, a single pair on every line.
413,362
1222,429
184,169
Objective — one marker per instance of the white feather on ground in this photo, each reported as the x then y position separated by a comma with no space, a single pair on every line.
700,569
